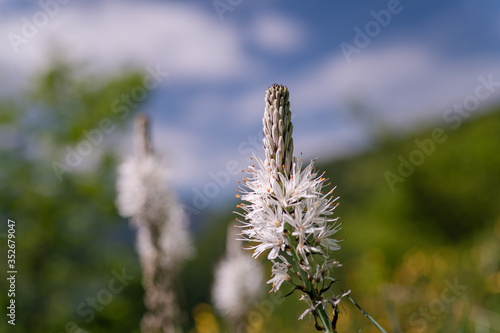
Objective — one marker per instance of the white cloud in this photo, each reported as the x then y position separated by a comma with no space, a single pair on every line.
277,33
402,83
184,40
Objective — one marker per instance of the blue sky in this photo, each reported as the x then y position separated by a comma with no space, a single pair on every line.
428,57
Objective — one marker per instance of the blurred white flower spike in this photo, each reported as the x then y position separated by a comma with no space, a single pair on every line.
286,212
163,242
237,284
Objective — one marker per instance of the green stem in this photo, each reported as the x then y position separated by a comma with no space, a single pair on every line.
311,291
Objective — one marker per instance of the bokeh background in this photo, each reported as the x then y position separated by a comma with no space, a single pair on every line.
399,99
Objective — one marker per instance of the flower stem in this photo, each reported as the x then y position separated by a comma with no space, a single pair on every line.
310,290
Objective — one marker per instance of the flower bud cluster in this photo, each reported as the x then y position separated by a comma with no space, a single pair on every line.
286,213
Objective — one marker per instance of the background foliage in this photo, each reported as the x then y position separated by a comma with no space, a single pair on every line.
401,247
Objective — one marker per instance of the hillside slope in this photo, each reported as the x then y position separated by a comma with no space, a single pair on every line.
417,211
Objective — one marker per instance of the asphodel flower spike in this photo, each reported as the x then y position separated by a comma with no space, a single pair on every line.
287,213
278,128
237,283
163,241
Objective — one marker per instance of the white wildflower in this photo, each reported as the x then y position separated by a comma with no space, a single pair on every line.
310,307
163,241
238,282
286,212
336,299
273,212
144,197
142,188
280,274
